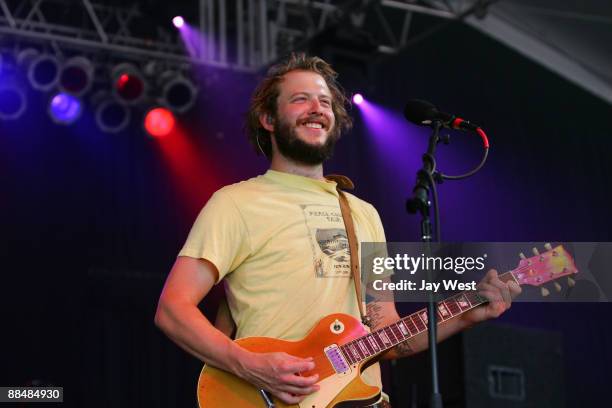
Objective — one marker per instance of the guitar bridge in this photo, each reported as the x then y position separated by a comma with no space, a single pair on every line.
337,360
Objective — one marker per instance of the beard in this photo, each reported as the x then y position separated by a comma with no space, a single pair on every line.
294,148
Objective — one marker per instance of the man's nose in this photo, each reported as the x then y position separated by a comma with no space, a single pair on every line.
315,107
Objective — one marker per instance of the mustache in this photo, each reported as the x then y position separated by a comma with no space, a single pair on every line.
316,117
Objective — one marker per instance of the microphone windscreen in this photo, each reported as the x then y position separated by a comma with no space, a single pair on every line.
418,111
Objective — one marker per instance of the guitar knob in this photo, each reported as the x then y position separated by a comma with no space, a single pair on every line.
547,246
570,282
336,327
545,292
535,251
522,255
557,287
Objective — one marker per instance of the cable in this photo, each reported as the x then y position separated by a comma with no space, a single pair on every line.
485,141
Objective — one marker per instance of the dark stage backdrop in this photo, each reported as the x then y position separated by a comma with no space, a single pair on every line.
91,223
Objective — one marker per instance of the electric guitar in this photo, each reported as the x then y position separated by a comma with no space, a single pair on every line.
342,347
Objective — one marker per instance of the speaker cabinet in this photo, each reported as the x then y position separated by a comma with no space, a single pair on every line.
490,365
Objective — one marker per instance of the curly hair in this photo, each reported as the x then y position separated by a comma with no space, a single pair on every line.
264,99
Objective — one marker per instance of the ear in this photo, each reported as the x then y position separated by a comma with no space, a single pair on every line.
266,122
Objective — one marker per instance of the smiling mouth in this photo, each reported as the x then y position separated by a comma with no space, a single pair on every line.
314,124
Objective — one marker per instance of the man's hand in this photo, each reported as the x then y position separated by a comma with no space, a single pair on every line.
279,373
499,295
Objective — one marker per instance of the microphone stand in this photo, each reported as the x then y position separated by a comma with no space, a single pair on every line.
420,203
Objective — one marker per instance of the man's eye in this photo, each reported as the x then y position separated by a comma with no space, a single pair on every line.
326,102
299,99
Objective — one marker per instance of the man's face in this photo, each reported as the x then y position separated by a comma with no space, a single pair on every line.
304,126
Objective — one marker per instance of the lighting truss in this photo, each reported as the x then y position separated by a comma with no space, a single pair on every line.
238,34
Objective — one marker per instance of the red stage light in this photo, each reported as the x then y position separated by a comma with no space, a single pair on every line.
129,87
159,122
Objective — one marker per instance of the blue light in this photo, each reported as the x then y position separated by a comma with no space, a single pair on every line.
64,108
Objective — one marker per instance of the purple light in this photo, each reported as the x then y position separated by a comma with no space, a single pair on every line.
64,108
357,99
178,21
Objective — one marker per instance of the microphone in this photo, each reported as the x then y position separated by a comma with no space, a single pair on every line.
423,113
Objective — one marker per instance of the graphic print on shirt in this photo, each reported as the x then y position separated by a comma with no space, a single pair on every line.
328,240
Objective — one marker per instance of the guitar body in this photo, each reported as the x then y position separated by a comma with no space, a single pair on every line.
217,388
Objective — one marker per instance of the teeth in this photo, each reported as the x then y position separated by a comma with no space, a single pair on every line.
314,125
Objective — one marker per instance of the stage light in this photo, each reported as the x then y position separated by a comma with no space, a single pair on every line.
178,21
111,116
13,101
357,99
76,76
159,122
178,93
64,108
43,70
129,85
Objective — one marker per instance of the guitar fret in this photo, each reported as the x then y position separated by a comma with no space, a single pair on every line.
443,311
363,348
347,354
452,306
391,337
423,316
474,298
356,351
351,350
385,338
417,322
463,302
373,343
507,277
403,328
379,340
397,333
411,326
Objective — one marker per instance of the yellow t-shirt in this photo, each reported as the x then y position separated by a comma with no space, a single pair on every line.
279,242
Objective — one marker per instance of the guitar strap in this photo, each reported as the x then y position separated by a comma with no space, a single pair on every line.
344,183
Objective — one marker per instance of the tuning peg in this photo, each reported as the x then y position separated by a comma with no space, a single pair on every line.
545,292
547,246
570,282
557,287
535,251
522,255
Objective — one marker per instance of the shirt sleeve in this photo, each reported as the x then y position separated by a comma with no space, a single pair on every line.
219,235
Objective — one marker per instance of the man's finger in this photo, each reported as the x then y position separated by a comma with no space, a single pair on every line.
503,289
515,289
298,366
298,390
490,292
299,381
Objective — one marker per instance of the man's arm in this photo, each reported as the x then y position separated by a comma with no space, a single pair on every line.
189,281
382,312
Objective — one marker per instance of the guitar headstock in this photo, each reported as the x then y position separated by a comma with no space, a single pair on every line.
545,267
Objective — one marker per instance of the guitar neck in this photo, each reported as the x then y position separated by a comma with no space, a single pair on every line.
381,340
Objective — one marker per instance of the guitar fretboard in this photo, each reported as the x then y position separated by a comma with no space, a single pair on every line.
390,336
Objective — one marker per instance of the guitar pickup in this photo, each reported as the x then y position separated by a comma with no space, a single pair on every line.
337,360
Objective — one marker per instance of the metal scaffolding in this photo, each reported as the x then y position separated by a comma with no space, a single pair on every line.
239,34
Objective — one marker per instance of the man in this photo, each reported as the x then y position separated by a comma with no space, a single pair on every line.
279,244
